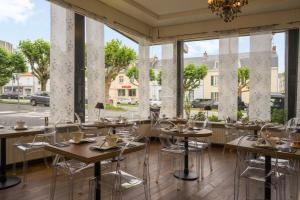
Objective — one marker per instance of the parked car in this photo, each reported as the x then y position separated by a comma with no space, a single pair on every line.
126,101
40,98
9,95
155,103
277,101
201,103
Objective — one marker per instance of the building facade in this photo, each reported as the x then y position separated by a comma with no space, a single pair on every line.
7,46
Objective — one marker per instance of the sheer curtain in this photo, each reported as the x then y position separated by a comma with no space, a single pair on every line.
62,64
168,79
228,79
144,81
95,66
260,75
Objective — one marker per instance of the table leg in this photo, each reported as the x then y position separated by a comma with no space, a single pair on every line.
186,174
268,181
6,181
97,174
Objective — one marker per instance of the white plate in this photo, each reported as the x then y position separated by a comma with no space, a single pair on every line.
20,128
1,126
105,146
85,140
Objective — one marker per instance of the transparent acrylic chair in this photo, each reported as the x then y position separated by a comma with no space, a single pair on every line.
69,167
202,145
35,146
120,181
245,170
169,147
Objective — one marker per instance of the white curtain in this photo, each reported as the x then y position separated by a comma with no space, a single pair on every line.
144,81
228,78
62,64
168,79
95,66
260,75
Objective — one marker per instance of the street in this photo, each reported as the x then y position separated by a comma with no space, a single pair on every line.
34,115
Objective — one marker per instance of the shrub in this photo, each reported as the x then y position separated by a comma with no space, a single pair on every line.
201,116
213,118
239,115
277,116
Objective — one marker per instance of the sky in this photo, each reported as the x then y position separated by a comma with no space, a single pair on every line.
30,19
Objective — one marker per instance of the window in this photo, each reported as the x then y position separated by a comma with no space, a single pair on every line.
215,96
121,79
132,92
214,80
121,92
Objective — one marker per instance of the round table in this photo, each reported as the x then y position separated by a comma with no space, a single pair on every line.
187,174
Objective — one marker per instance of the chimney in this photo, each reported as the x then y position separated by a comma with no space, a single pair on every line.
205,55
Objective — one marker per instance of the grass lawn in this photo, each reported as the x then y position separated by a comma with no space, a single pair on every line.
8,101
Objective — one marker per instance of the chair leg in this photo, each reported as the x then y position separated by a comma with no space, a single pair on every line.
198,155
25,167
92,184
201,166
45,159
15,162
209,159
53,183
158,166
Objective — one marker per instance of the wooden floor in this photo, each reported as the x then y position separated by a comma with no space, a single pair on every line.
217,185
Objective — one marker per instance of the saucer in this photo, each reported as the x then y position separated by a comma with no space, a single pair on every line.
20,128
84,140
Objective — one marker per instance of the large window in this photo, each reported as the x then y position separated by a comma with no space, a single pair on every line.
214,80
215,96
121,92
132,92
121,79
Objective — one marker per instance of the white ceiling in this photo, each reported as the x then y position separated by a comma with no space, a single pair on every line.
164,19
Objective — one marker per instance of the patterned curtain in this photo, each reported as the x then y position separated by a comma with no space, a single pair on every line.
95,66
62,64
144,81
228,78
168,79
260,76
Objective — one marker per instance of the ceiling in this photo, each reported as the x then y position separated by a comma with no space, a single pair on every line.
162,20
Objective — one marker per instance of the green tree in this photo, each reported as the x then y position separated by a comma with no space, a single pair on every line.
117,58
133,74
243,80
37,54
10,63
192,76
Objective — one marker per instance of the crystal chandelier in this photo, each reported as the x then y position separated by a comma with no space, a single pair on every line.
226,9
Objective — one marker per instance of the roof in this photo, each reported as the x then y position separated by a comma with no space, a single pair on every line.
210,60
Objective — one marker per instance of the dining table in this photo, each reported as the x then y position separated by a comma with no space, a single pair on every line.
9,132
187,174
86,153
244,144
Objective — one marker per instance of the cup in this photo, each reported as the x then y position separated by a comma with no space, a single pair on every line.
111,140
20,124
77,136
180,127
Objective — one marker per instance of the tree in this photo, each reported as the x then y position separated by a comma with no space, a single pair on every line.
133,74
117,58
37,54
193,75
10,63
243,80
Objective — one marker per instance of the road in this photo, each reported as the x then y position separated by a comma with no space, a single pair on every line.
34,115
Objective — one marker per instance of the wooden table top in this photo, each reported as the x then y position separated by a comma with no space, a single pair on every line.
188,133
8,132
84,153
107,125
247,145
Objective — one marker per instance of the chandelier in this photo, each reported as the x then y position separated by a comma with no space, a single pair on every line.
226,9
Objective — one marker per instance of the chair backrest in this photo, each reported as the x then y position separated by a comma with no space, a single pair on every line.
165,139
206,124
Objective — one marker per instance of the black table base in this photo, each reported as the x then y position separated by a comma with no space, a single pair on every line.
6,181
97,174
190,176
